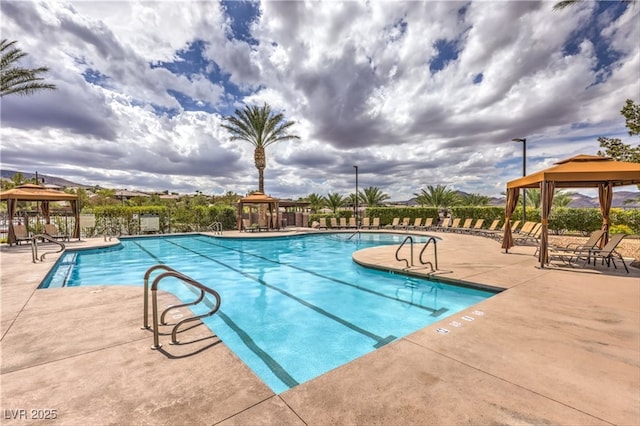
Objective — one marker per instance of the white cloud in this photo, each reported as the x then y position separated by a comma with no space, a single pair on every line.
354,76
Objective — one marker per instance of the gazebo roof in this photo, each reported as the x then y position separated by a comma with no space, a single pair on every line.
583,171
32,192
258,197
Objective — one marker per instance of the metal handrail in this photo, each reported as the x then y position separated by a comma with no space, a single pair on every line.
353,235
34,246
409,238
170,272
435,253
216,227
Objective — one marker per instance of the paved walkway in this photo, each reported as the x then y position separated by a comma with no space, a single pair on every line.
558,346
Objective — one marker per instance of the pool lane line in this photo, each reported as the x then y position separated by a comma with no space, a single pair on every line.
271,363
434,312
380,341
156,258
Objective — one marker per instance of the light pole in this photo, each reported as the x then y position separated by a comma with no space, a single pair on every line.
524,173
356,200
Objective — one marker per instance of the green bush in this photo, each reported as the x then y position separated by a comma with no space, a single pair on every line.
620,229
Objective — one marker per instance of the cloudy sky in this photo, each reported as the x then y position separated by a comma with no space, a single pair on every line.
415,93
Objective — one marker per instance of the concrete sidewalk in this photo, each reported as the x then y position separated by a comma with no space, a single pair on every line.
558,346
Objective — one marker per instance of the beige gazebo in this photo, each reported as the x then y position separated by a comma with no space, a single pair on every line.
257,199
31,192
581,171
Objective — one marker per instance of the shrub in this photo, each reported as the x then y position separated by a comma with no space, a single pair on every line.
620,229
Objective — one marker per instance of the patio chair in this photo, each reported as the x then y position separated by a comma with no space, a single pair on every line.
533,237
465,226
333,222
590,244
343,223
428,223
394,224
477,227
352,223
416,223
444,225
606,254
322,223
21,233
366,223
491,230
52,230
405,223
376,223
527,228
455,225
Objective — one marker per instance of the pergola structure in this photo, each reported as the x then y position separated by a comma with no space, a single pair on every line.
257,199
581,171
31,192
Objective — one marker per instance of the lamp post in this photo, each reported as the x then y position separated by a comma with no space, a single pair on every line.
356,198
524,173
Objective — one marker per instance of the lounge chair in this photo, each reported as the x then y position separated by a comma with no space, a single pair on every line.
52,230
455,225
405,223
343,223
428,223
590,244
492,228
21,233
333,222
444,225
477,227
322,223
527,228
247,226
465,226
366,223
607,254
532,237
416,223
394,224
352,223
376,223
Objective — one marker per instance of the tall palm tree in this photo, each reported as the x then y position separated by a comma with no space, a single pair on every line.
15,79
438,196
316,201
372,196
475,200
261,128
334,201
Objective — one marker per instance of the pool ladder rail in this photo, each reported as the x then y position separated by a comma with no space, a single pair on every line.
216,228
170,272
409,261
34,246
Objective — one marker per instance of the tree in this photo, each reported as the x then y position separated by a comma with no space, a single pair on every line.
566,3
316,201
372,196
438,196
475,200
261,128
334,201
16,79
614,147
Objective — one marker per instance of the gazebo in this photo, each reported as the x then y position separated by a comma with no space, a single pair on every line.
257,199
31,192
581,171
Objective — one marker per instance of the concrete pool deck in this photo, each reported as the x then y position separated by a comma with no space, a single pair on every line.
558,346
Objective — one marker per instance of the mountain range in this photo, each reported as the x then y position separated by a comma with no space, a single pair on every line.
578,200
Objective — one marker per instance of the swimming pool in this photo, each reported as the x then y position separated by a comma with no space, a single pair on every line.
292,308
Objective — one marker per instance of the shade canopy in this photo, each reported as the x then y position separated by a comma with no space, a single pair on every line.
260,198
31,192
581,171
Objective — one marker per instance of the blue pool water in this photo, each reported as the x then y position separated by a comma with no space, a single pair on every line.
292,308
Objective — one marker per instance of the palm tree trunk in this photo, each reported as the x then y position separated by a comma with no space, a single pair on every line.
260,160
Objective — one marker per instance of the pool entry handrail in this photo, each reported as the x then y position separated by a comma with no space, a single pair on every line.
43,237
216,228
353,235
409,261
170,272
410,239
435,254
